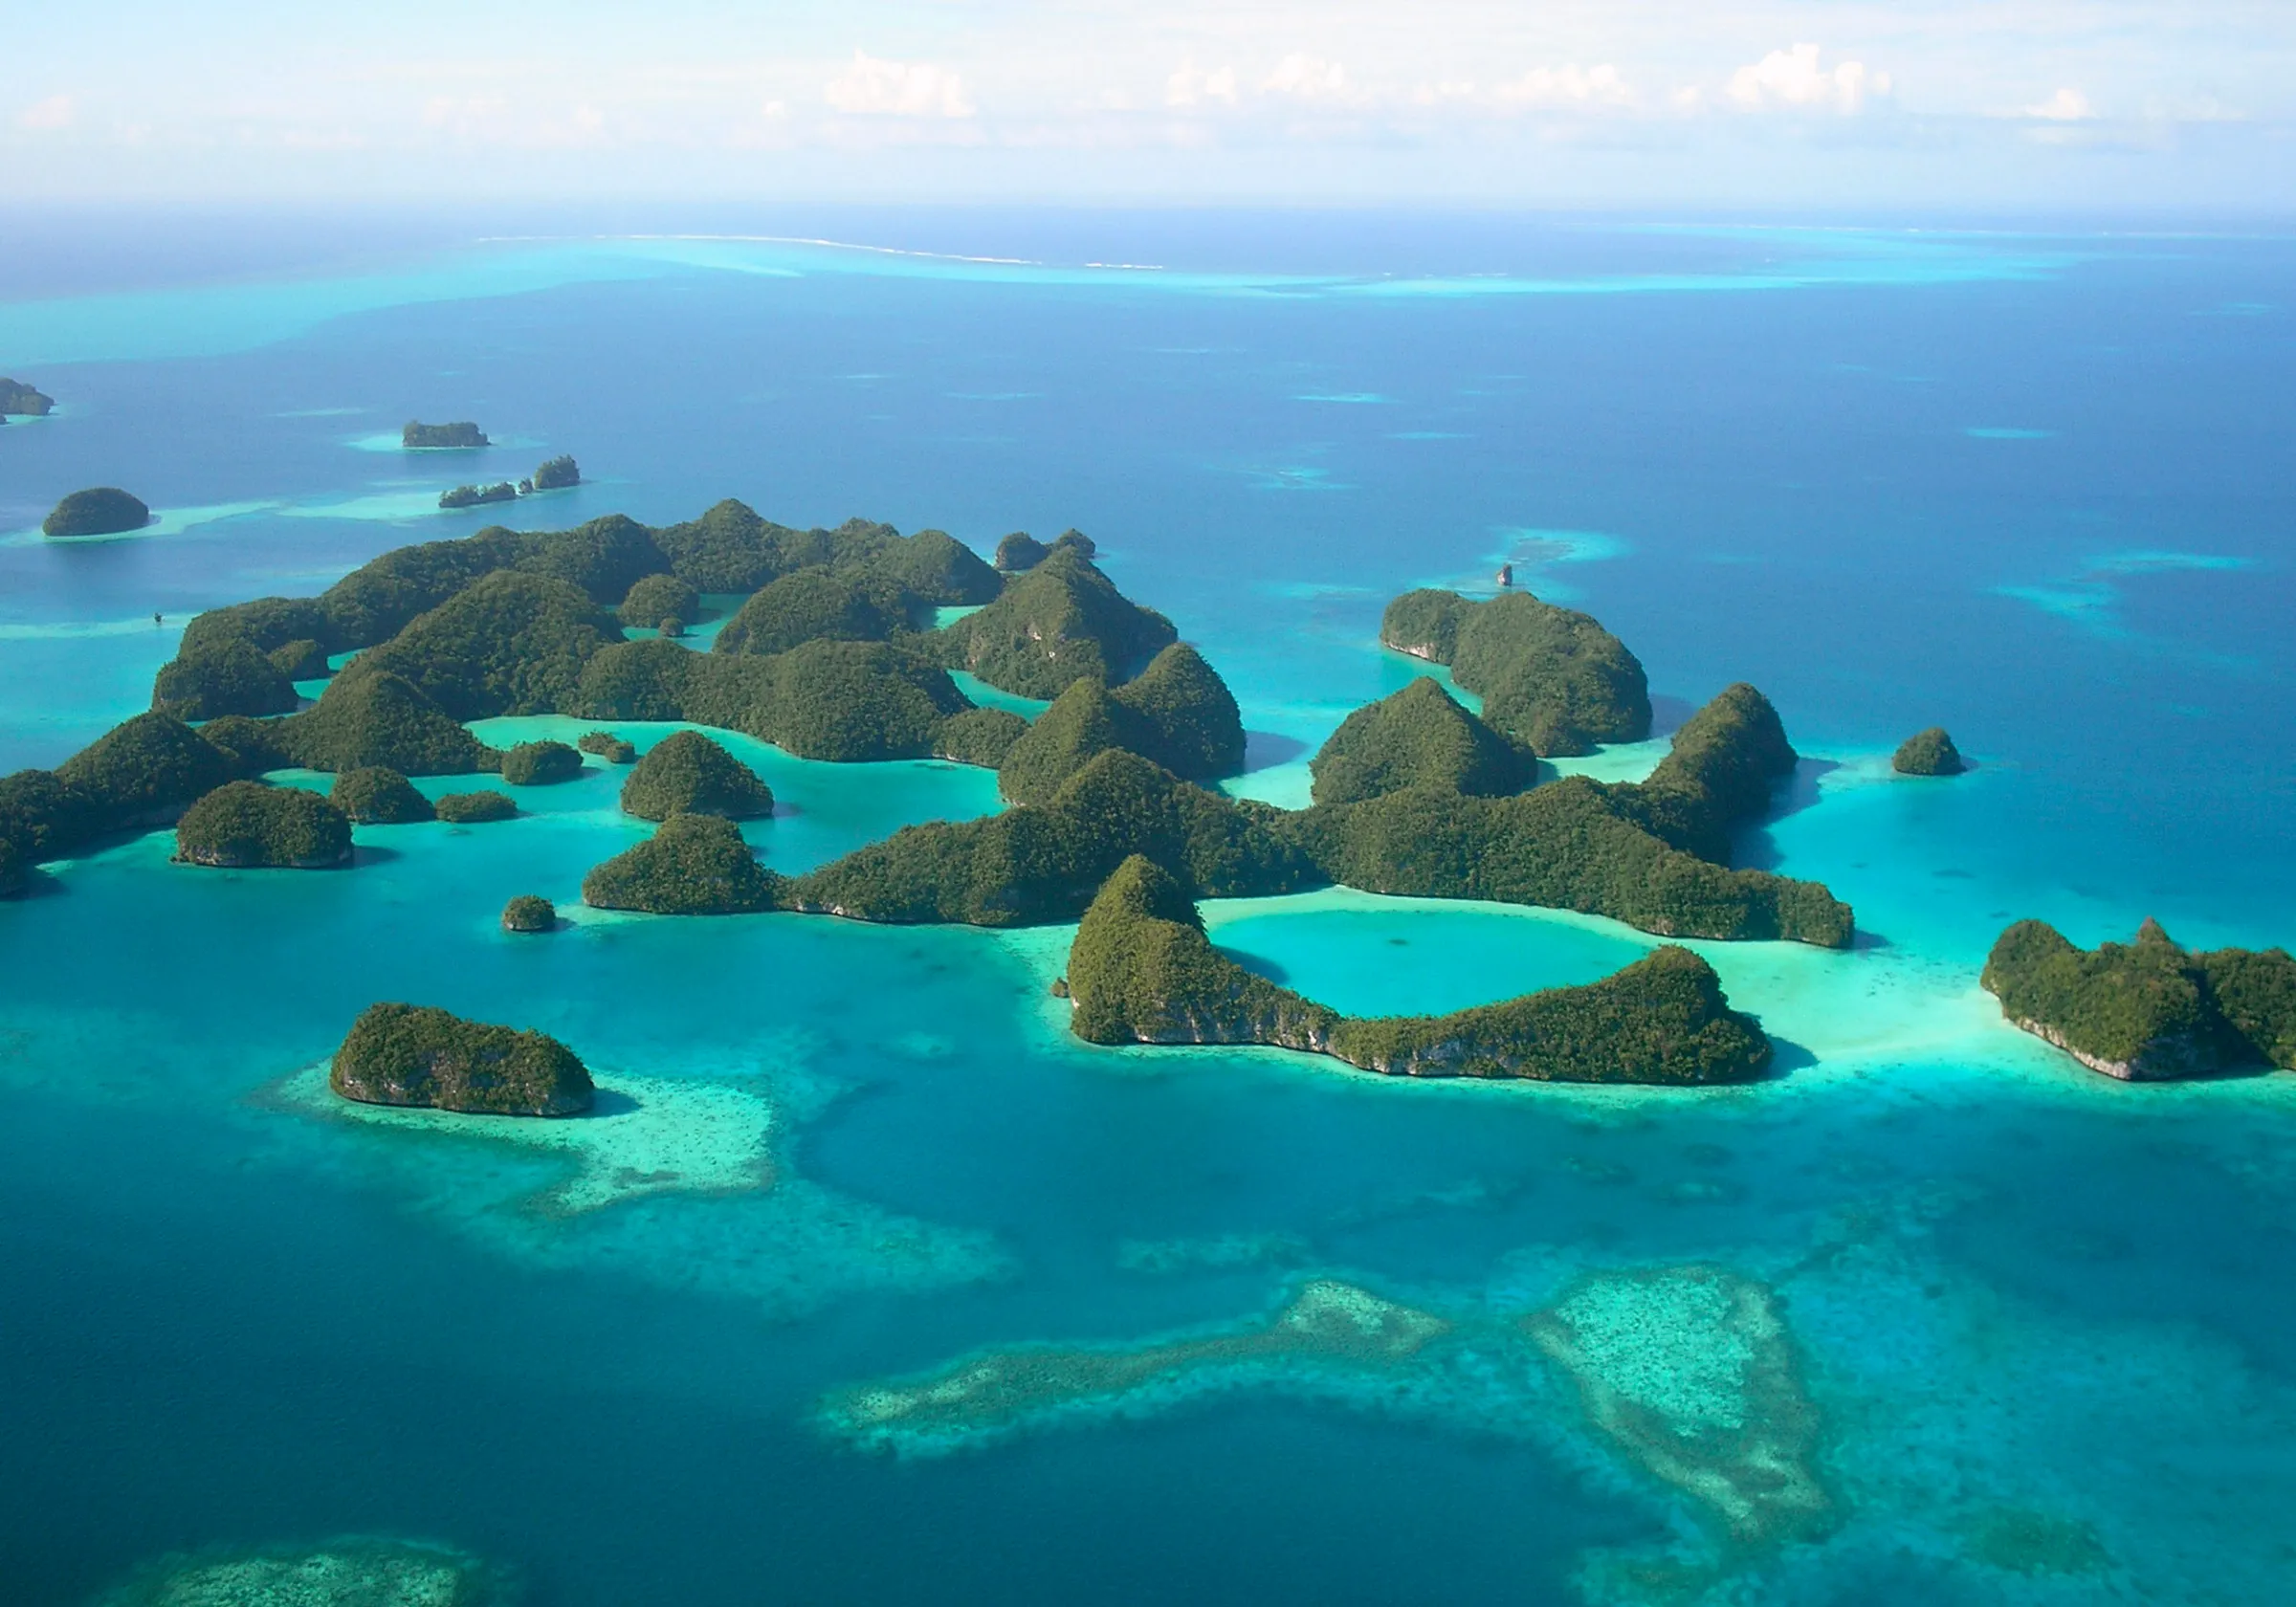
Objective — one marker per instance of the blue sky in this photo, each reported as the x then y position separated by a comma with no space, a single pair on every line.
1954,103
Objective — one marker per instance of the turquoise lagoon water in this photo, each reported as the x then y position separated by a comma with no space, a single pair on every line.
2036,489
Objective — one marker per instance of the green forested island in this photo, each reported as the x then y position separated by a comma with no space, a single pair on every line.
2148,1010
247,825
1550,678
1142,969
460,437
414,1054
540,764
475,808
556,474
529,913
687,774
1928,753
477,495
377,795
98,510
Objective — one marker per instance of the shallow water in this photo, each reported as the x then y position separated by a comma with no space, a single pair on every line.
2030,488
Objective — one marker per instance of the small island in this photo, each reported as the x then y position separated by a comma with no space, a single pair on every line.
460,437
377,795
2148,1010
659,600
687,774
478,496
98,510
529,913
244,825
557,474
475,808
540,764
18,400
1550,678
414,1054
694,865
1142,969
613,749
1928,753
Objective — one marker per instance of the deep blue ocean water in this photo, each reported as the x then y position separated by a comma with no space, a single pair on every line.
2037,488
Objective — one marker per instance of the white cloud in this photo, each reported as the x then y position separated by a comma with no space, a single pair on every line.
1188,87
2067,105
1309,77
47,116
1795,78
916,89
1573,85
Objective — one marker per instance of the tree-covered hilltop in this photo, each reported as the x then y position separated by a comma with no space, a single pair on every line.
510,643
477,495
298,661
1043,862
1061,620
475,808
370,716
2146,1010
657,597
529,913
1178,713
414,1054
98,510
377,795
1928,753
810,604
247,825
1548,676
687,774
459,436
543,763
144,772
1020,551
692,865
1718,777
980,737
1142,969
1419,736
613,749
227,677
18,400
556,474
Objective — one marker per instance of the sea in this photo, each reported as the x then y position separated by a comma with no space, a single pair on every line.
2029,1333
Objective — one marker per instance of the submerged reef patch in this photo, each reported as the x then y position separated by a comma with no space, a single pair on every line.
354,1571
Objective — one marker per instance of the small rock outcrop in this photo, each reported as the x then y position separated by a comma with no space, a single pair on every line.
460,437
1928,753
414,1054
529,913
475,808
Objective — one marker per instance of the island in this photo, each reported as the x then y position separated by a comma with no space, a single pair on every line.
99,511
557,474
613,749
247,825
1177,712
687,774
303,660
475,808
1142,969
540,764
2148,1010
529,914
1419,736
477,496
1063,621
1928,753
18,400
1550,678
657,599
415,1054
694,865
377,795
460,437
225,677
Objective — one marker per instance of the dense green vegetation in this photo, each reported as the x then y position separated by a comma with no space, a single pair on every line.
1178,712
1061,622
1548,676
245,824
377,795
1044,862
657,597
478,496
1142,970
1082,722
529,913
21,401
142,772
2146,1010
225,677
936,569
510,643
810,604
1418,737
460,437
1928,753
557,474
540,764
645,680
608,746
980,737
1020,551
298,661
412,1055
98,510
15,870
694,865
687,774
475,808
370,716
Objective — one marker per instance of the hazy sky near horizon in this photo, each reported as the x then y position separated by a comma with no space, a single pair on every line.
2080,104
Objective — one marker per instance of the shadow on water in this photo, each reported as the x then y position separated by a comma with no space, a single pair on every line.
1669,714
1786,1057
1862,942
1264,750
372,853
1258,966
1756,850
611,1102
